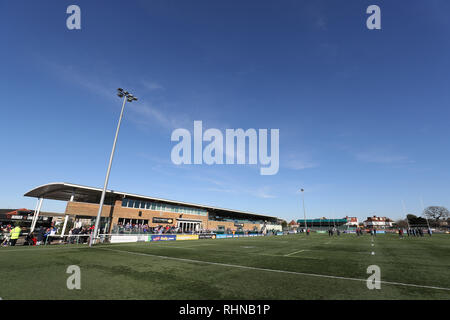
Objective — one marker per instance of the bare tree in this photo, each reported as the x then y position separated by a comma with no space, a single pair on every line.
401,224
436,213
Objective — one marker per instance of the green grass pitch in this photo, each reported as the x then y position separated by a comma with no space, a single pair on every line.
277,267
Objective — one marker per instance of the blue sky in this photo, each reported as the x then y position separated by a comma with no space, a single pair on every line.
363,115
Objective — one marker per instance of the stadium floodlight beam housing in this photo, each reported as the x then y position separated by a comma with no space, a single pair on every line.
126,97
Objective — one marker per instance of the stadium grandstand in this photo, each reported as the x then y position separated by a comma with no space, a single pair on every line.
324,223
125,211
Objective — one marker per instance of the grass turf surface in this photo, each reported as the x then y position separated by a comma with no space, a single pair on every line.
276,267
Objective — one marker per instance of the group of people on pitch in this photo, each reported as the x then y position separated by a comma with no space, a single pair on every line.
331,232
414,232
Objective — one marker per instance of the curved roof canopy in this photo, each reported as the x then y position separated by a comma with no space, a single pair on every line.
63,191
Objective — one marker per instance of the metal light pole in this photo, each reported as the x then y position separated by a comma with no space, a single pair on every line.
304,211
423,212
405,213
126,97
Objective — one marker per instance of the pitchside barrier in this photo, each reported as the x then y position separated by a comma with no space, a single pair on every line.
118,238
123,238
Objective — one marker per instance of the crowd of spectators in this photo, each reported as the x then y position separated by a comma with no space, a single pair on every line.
80,234
145,228
160,229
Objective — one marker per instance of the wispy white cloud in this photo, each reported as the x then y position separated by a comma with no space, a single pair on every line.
146,112
91,81
299,161
382,157
264,192
223,183
142,112
151,85
321,23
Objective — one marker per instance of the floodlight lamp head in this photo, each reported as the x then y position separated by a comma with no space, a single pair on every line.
120,89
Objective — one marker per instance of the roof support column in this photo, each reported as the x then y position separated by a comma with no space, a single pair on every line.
36,214
65,224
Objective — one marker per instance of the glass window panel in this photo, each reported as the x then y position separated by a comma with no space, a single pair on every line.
130,203
137,204
124,202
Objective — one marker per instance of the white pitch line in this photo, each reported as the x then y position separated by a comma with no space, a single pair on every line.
182,246
273,270
287,255
42,249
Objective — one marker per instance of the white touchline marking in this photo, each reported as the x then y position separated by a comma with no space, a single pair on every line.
86,246
273,270
287,255
181,247
43,248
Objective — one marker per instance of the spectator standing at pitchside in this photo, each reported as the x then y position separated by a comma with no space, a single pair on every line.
15,233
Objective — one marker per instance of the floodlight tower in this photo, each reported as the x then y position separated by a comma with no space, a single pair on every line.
423,212
121,93
304,211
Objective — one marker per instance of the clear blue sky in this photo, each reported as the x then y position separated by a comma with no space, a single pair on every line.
363,115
